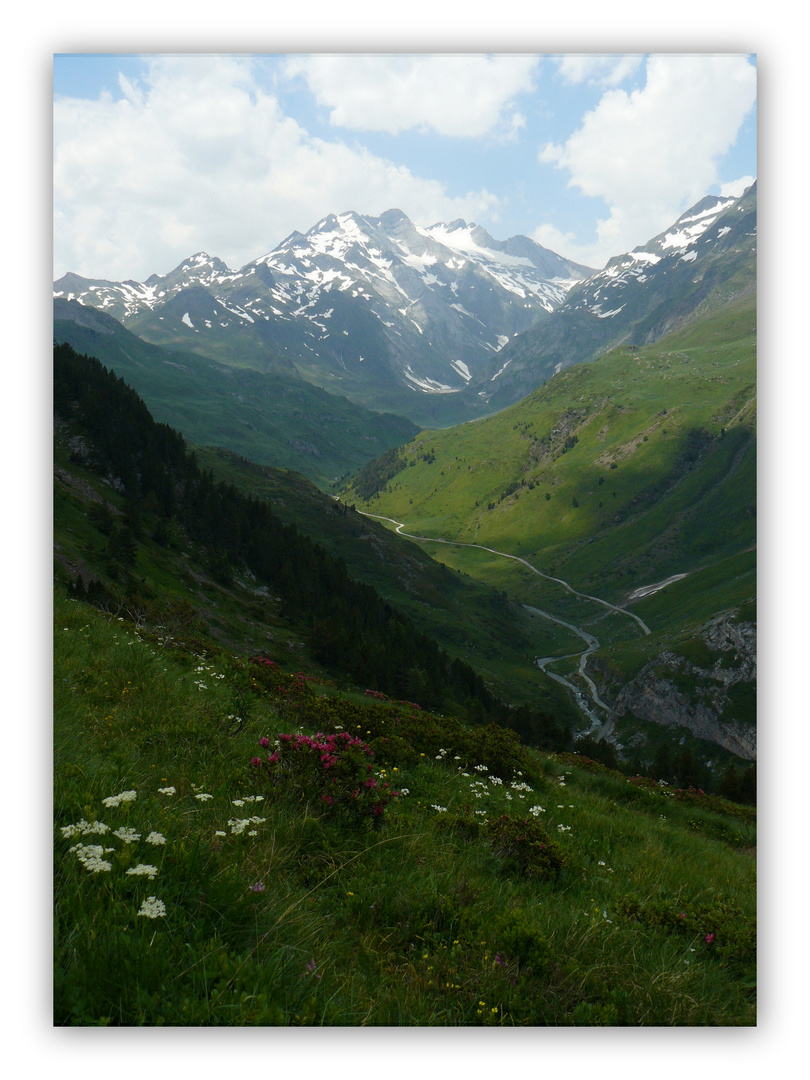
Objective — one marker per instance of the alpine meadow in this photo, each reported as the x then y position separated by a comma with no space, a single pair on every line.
369,548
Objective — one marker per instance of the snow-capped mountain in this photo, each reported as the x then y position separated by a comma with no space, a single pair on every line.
707,257
379,309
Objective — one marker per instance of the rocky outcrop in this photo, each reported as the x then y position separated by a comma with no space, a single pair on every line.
709,689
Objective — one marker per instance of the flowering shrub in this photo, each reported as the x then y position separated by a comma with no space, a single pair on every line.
335,771
525,846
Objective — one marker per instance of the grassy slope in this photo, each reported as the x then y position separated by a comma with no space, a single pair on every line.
470,620
467,617
274,419
422,920
653,498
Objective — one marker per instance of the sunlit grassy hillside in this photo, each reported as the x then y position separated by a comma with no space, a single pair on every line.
606,473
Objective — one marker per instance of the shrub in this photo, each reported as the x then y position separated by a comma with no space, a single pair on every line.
333,771
525,847
518,940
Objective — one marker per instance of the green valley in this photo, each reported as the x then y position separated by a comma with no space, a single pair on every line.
276,418
615,477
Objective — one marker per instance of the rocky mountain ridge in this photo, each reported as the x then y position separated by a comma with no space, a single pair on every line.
705,259
378,309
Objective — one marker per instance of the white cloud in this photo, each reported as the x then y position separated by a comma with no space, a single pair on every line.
197,156
597,70
456,95
653,152
735,188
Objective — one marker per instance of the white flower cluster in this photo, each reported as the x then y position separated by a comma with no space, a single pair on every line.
238,825
143,870
89,855
127,835
441,809
82,827
537,810
203,796
152,908
248,799
156,838
116,800
167,791
515,786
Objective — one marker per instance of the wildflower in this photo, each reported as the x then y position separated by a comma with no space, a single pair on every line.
152,908
238,802
203,796
257,886
441,809
116,800
143,869
128,836
167,791
89,855
709,939
82,827
311,969
156,838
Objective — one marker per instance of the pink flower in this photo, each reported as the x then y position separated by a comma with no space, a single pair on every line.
709,939
257,886
264,742
256,761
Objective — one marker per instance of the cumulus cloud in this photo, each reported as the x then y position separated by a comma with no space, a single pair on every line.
597,70
197,156
651,153
464,96
735,188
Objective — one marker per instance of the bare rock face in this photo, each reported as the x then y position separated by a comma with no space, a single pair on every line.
702,694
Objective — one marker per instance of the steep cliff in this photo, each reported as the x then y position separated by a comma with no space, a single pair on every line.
708,686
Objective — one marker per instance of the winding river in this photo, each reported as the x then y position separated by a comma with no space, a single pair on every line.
590,705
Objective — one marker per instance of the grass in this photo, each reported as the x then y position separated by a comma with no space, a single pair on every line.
615,437
431,915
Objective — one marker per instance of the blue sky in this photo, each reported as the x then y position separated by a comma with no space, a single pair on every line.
161,155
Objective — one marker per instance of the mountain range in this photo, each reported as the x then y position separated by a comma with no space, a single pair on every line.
395,316
704,260
439,324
